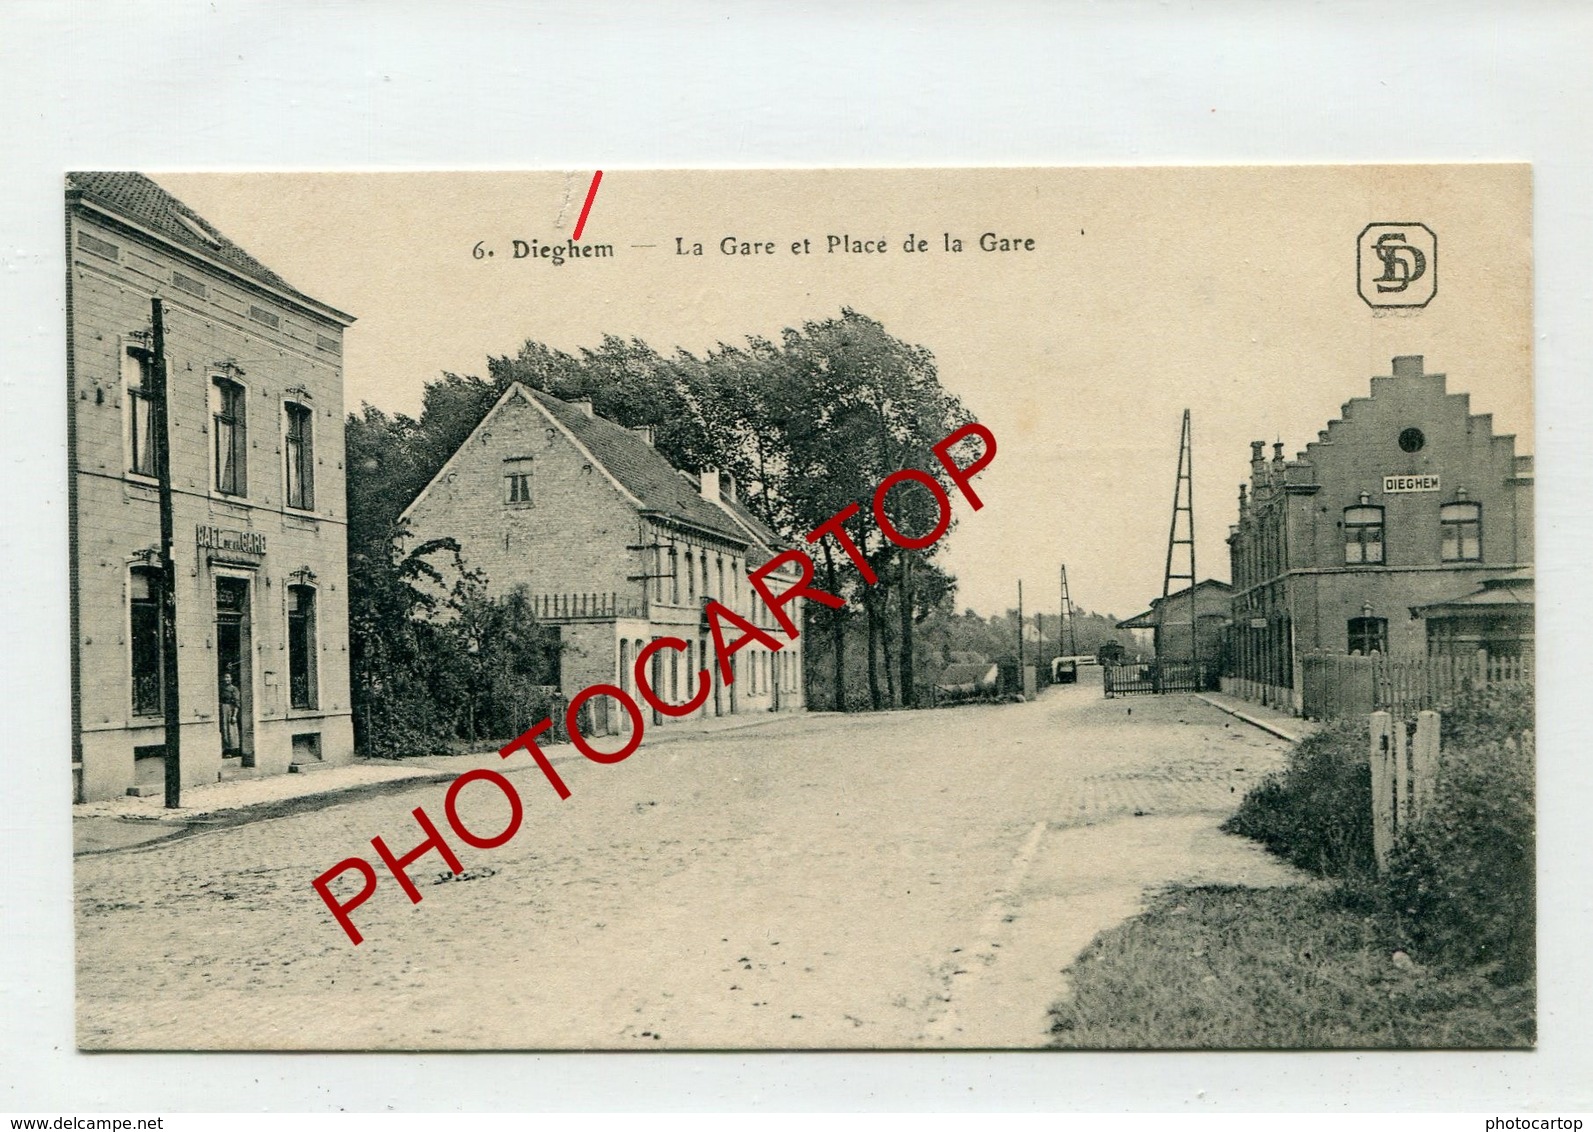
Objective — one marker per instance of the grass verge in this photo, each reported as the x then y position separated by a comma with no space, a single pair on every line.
1278,968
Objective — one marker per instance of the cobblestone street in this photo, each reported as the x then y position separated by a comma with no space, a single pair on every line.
909,879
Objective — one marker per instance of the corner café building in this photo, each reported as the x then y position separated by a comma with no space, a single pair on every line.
259,536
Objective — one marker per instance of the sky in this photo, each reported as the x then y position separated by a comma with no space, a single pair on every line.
1230,291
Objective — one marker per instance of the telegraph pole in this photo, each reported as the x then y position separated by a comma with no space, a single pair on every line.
168,568
1020,636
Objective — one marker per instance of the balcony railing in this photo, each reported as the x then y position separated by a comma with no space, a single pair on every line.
584,606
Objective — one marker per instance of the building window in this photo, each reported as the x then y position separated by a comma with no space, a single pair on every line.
301,456
691,583
1412,440
145,638
517,487
137,378
1368,635
301,647
1363,535
232,436
674,576
1462,528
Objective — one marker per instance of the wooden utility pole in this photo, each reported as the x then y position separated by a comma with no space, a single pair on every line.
909,675
1067,642
1020,636
159,425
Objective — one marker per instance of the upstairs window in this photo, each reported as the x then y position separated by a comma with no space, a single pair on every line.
1462,531
1363,535
231,432
517,482
1368,635
691,584
144,607
137,367
300,446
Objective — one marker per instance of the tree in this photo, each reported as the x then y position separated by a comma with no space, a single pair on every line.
807,426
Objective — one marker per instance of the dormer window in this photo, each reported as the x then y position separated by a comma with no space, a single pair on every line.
198,229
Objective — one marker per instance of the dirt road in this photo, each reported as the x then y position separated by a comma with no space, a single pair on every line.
907,880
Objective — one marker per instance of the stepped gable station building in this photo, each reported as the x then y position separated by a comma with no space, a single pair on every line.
255,382
615,547
1404,528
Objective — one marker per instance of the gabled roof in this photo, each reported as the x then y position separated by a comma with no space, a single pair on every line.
639,468
135,197
765,542
954,674
1151,618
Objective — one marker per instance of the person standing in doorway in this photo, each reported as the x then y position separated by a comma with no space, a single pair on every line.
231,739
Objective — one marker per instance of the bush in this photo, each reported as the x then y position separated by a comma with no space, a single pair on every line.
1487,715
1463,877
1461,882
1316,813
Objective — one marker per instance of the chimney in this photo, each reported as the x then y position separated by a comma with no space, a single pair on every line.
1258,461
710,484
1277,452
585,405
644,431
1410,365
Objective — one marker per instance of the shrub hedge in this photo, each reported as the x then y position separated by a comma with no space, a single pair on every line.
1461,882
1316,813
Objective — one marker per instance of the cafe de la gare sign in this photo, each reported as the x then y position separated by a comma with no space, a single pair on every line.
228,542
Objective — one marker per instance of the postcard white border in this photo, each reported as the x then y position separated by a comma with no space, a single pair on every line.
297,84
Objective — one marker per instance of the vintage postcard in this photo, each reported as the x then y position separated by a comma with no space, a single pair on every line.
1056,608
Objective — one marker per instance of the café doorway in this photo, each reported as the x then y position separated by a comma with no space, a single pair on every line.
234,673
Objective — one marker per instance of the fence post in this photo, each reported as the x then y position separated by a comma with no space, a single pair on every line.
1382,764
1400,748
1424,760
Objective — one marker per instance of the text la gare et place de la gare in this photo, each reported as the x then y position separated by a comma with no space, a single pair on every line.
848,244
717,616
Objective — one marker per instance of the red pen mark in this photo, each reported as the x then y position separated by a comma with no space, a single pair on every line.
586,209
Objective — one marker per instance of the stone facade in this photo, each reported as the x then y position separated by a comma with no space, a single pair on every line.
1407,500
255,384
614,546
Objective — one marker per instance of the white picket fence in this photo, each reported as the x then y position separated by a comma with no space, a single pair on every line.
1404,762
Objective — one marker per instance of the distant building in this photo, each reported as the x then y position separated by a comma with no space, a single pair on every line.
255,377
1167,622
1405,527
615,547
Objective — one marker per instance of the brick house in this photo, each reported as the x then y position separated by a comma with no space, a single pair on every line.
1405,518
255,381
1167,621
614,546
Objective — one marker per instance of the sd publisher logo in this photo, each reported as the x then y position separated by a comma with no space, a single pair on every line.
1397,264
